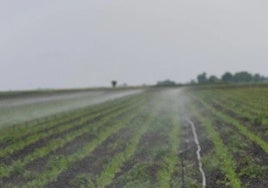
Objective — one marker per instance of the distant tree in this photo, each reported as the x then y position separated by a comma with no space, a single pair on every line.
192,82
227,77
114,83
166,83
202,78
242,77
257,78
213,79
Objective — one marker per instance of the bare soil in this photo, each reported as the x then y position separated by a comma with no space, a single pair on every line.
241,155
216,177
246,121
94,163
148,143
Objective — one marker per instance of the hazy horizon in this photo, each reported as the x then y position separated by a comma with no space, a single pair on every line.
74,44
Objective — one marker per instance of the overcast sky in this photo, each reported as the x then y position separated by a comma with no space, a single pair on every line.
81,43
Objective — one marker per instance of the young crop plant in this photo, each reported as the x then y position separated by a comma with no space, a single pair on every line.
140,166
19,131
251,168
17,142
165,174
228,166
51,174
6,170
113,167
53,144
240,99
242,129
83,181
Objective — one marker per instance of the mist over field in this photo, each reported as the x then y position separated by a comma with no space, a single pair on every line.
135,94
19,109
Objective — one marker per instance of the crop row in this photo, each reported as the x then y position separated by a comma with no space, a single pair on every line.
251,99
51,145
55,130
256,122
241,153
108,130
153,162
14,133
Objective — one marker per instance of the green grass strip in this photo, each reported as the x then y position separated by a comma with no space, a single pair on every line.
228,165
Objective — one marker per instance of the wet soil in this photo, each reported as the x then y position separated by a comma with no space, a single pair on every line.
246,121
20,154
146,158
75,119
248,151
94,163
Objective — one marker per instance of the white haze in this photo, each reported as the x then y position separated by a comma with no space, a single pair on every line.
66,43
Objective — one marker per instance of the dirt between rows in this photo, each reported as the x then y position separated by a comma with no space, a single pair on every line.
186,152
252,126
213,177
251,151
255,149
20,154
104,112
95,162
40,164
15,140
189,172
143,159
35,165
189,163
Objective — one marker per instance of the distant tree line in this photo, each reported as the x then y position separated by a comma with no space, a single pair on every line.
227,77
166,83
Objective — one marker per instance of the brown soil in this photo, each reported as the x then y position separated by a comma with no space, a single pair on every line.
94,163
251,151
40,164
20,154
249,123
151,140
215,177
188,163
105,111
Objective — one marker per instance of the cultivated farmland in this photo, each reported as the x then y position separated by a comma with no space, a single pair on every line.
158,137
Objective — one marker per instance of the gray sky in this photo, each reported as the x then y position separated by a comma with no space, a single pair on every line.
67,43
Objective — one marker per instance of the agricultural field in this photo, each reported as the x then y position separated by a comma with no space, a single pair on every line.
16,107
187,137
